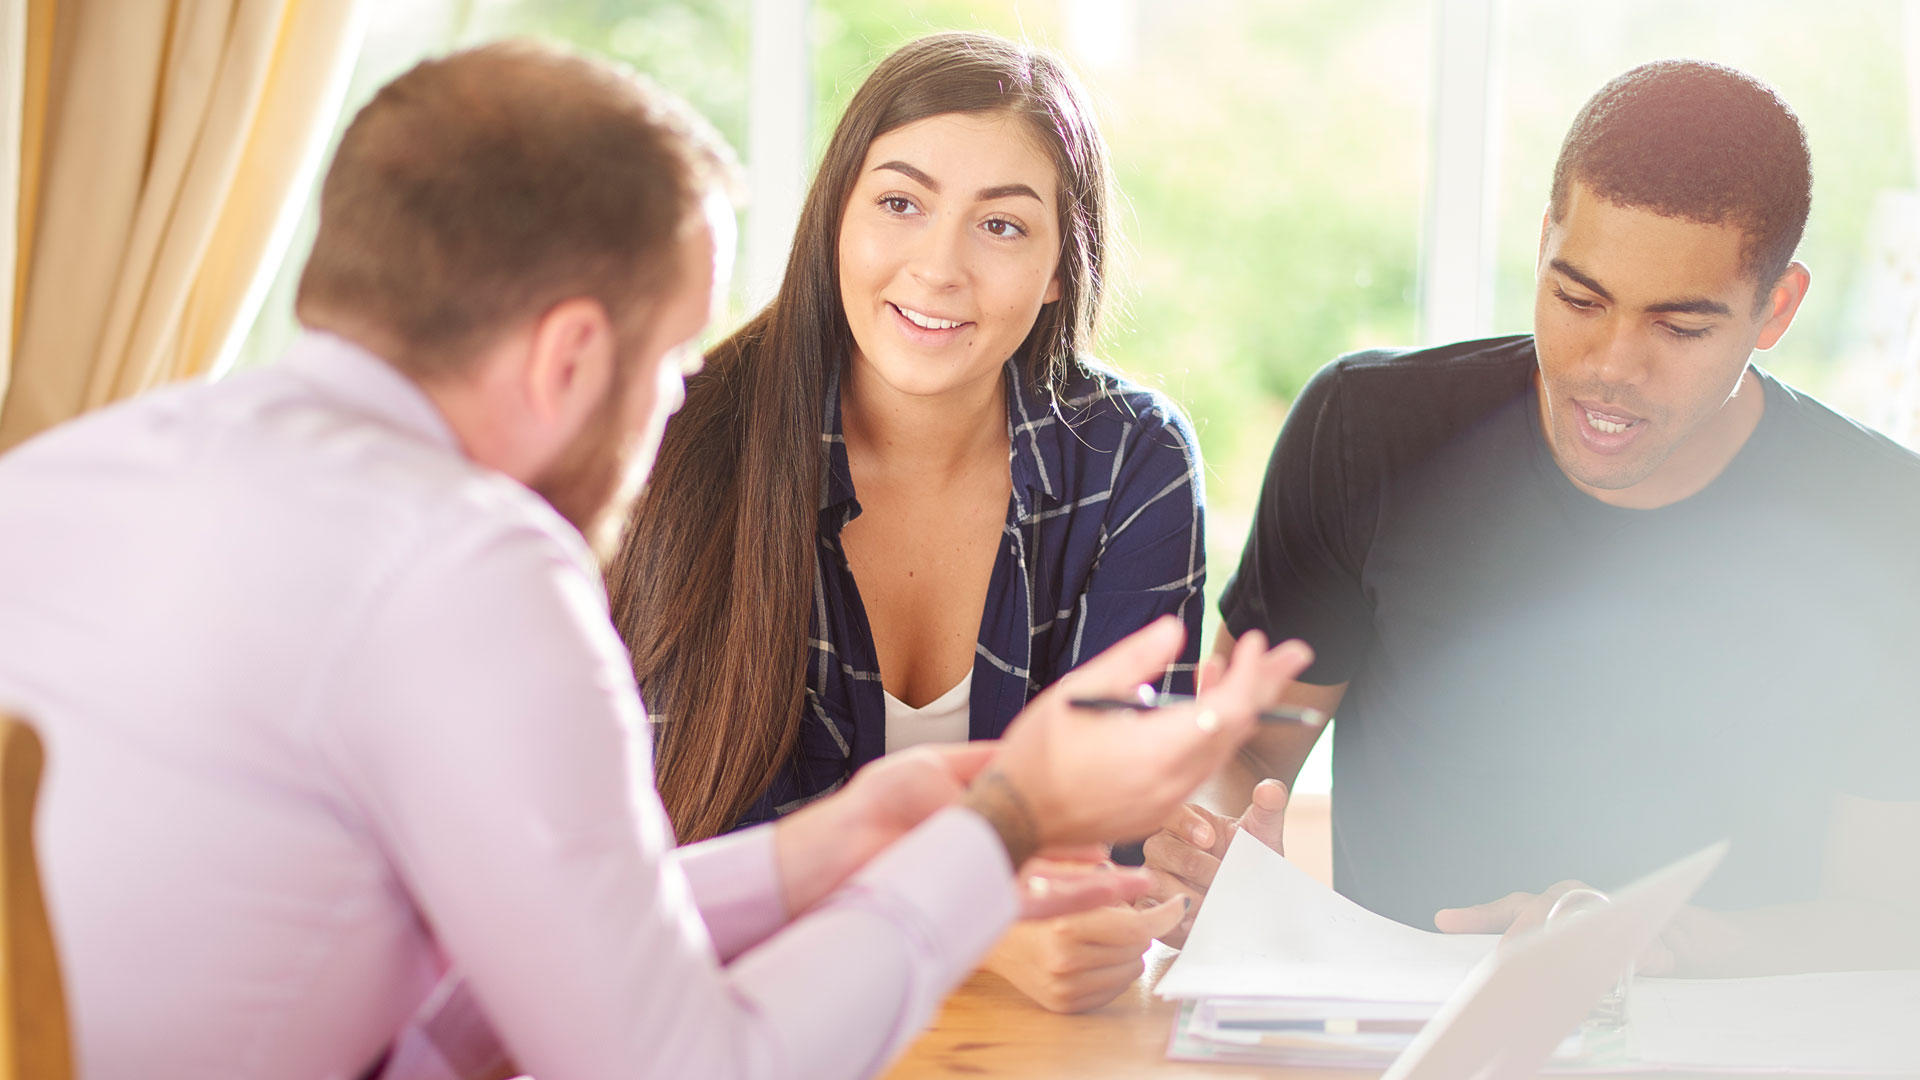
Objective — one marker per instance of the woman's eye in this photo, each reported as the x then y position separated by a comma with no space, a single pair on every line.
896,204
1001,227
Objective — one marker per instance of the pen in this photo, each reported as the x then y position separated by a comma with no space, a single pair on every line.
1146,702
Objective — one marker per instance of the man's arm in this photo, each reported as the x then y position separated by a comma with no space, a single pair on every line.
488,729
1276,751
486,726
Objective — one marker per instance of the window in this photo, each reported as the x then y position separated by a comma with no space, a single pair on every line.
1278,172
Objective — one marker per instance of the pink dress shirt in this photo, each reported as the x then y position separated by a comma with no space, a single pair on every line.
335,717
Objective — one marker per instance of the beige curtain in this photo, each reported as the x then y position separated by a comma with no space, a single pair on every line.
22,65
179,138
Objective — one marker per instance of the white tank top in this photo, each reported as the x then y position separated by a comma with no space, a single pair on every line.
944,719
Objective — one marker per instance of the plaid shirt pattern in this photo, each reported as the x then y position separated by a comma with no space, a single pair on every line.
1104,533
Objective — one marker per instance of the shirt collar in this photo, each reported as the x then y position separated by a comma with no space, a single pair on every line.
369,384
1028,416
1031,420
836,484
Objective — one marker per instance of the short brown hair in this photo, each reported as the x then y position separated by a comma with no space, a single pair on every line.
479,189
1699,141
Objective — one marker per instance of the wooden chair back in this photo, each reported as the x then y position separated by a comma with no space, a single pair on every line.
33,1013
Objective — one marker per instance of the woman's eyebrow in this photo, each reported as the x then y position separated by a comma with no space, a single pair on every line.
911,172
986,194
1004,191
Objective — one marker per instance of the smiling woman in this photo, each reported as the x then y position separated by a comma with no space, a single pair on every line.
949,198
1018,507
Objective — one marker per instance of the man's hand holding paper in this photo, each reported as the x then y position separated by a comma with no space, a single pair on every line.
1185,854
1694,931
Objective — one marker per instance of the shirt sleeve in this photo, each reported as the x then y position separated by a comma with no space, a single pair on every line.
1152,557
489,730
1299,576
736,886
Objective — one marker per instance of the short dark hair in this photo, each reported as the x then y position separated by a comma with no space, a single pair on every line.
1699,141
479,189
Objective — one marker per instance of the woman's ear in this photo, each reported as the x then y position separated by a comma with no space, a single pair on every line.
1054,290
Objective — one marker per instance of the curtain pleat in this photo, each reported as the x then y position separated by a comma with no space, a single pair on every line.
180,135
13,66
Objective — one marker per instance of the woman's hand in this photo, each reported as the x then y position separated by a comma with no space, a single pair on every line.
1081,960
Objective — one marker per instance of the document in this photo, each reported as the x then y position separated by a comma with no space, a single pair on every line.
1269,930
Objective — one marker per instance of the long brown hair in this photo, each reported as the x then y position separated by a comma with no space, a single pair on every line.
713,586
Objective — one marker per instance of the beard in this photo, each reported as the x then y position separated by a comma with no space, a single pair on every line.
596,478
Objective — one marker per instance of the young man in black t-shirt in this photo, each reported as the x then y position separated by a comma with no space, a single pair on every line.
1588,600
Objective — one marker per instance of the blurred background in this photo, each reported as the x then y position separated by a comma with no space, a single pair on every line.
1299,178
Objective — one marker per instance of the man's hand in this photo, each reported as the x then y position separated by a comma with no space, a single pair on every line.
822,845
1082,961
1510,916
1693,929
1066,775
1183,857
899,791
819,846
1064,882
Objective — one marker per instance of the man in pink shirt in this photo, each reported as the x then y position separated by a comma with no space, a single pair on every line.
347,771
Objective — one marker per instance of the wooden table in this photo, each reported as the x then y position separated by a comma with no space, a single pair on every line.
987,1028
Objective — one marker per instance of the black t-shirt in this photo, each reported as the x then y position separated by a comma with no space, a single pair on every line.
1544,686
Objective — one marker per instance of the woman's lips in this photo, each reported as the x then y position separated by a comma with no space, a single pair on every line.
925,328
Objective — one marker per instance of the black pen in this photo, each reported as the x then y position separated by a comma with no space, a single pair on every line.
1280,714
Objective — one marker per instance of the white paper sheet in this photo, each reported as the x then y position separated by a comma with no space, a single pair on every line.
1270,930
1859,1022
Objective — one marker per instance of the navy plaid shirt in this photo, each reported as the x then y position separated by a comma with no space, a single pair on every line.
1103,535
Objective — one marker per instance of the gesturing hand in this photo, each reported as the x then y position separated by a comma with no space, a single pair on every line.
903,789
1065,775
817,847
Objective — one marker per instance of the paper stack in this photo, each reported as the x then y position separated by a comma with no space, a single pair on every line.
1281,969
